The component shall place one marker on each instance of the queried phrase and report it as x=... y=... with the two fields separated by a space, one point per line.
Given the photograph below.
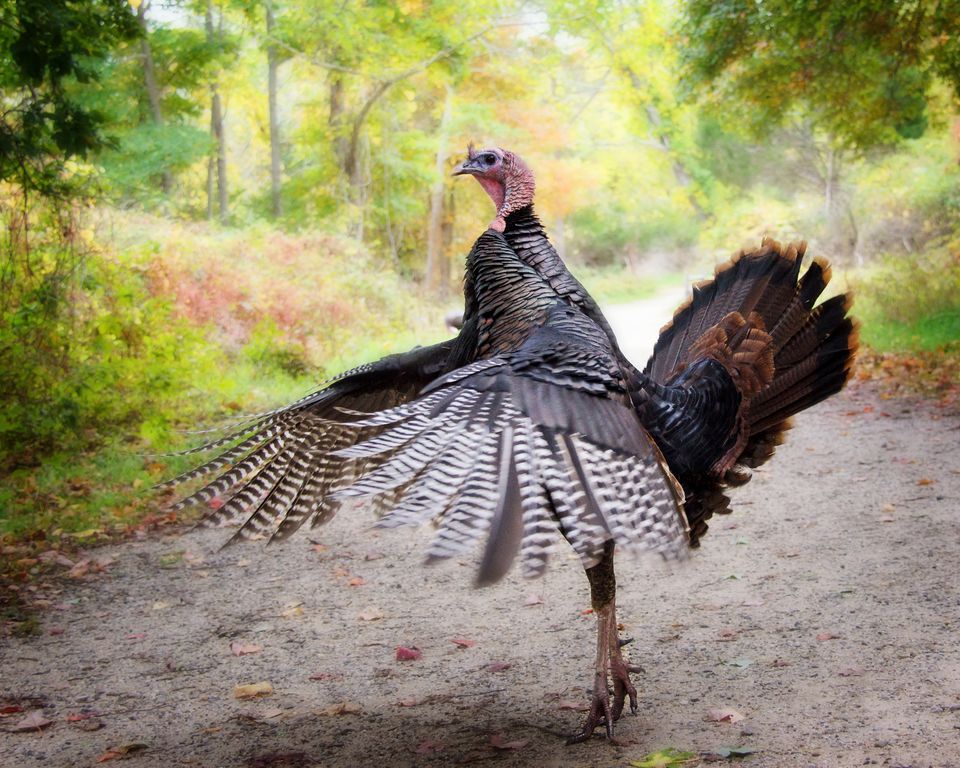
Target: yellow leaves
x=252 y=690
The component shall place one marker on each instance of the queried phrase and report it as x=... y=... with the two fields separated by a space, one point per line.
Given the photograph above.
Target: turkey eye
x=489 y=158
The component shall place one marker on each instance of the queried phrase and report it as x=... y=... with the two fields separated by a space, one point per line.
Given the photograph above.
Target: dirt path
x=825 y=611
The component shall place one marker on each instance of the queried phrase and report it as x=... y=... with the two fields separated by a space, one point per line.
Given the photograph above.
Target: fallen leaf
x=243 y=649
x=252 y=690
x=533 y=599
x=888 y=508
x=408 y=654
x=53 y=556
x=498 y=666
x=497 y=742
x=576 y=706
x=33 y=721
x=357 y=581
x=84 y=714
x=925 y=481
x=292 y=610
x=341 y=708
x=136 y=636
x=726 y=715
x=463 y=642
x=665 y=758
x=340 y=571
x=372 y=556
x=586 y=612
x=410 y=702
x=428 y=747
x=370 y=614
x=87 y=723
x=827 y=636
x=80 y=569
x=10 y=709
x=118 y=753
x=851 y=672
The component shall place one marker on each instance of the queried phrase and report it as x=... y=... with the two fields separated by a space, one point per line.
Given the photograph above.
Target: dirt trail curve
x=825 y=611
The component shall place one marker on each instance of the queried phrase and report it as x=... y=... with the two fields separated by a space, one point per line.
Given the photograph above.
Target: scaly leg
x=610 y=663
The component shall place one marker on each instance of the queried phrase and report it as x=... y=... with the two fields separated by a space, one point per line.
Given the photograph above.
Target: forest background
x=208 y=206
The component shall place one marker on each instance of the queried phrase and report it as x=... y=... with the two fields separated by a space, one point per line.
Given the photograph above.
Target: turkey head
x=503 y=176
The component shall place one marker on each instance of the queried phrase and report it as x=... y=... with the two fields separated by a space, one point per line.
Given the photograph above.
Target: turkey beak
x=466 y=167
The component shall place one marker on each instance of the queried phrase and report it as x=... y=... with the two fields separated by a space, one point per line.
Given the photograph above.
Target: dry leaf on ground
x=243 y=649
x=33 y=721
x=724 y=715
x=408 y=654
x=252 y=690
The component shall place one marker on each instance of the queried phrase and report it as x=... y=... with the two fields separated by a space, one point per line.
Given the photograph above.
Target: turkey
x=530 y=426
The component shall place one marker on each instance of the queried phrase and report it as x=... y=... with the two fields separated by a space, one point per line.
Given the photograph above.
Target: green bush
x=910 y=303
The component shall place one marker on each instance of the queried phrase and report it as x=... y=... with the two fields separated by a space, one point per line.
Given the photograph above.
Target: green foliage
x=912 y=303
x=48 y=46
x=666 y=758
x=860 y=71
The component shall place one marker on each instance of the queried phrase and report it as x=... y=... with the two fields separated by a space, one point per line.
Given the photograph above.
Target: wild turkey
x=530 y=425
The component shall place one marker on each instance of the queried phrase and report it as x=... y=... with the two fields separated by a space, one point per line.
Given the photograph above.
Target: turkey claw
x=599 y=714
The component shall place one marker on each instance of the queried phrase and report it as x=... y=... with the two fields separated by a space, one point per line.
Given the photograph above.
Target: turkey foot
x=610 y=667
x=610 y=664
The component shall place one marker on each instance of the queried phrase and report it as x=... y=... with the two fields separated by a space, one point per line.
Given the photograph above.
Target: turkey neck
x=528 y=239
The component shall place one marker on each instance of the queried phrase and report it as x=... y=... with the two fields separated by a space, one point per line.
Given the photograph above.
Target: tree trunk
x=153 y=89
x=275 y=169
x=335 y=118
x=447 y=239
x=217 y=132
x=435 y=220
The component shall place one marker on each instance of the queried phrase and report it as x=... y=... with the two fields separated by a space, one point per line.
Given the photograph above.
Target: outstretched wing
x=535 y=439
x=521 y=450
x=276 y=471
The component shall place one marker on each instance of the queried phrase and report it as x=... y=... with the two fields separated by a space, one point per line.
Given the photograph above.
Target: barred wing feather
x=482 y=468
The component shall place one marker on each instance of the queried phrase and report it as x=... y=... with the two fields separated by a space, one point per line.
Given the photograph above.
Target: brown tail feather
x=759 y=320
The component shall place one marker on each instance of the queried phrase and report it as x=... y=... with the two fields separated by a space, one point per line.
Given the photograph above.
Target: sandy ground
x=825 y=612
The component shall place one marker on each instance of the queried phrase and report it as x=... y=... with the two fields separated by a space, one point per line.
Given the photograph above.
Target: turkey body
x=531 y=427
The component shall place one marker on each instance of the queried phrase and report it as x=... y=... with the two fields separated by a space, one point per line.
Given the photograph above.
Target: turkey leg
x=610 y=663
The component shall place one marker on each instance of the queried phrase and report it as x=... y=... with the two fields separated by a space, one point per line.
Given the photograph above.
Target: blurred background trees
x=208 y=204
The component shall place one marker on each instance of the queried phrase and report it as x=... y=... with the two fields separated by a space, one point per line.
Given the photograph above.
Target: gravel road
x=824 y=613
